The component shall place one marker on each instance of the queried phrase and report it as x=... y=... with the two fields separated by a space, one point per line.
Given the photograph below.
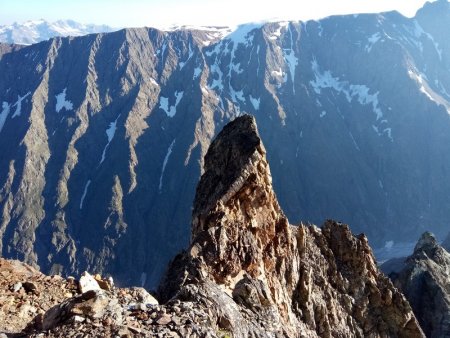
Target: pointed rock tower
x=255 y=275
x=424 y=281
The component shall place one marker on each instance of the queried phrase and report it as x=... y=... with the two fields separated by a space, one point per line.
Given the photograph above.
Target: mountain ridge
x=119 y=124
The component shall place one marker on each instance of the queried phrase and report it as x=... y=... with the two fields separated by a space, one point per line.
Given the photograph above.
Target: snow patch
x=164 y=104
x=325 y=80
x=217 y=83
x=110 y=132
x=388 y=131
x=291 y=60
x=236 y=95
x=61 y=102
x=197 y=72
x=320 y=29
x=277 y=33
x=277 y=73
x=424 y=87
x=361 y=92
x=18 y=104
x=354 y=141
x=4 y=114
x=241 y=33
x=86 y=187
x=372 y=40
x=181 y=64
x=153 y=81
x=236 y=67
x=166 y=159
x=254 y=101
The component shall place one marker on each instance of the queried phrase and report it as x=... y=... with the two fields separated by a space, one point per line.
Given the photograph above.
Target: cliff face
x=424 y=282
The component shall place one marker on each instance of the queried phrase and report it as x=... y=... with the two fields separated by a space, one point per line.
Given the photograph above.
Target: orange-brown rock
x=285 y=280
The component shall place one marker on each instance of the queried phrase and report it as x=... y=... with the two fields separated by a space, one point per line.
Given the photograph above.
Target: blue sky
x=163 y=13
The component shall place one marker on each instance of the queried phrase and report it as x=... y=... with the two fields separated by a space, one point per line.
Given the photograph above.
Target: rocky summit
x=247 y=272
x=424 y=281
x=103 y=137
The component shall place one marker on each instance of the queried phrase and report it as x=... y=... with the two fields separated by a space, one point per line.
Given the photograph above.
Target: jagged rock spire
x=282 y=279
x=235 y=202
x=424 y=281
x=235 y=159
x=427 y=244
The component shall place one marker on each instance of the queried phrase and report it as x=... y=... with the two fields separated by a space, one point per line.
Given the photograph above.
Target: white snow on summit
x=212 y=33
x=241 y=33
x=31 y=32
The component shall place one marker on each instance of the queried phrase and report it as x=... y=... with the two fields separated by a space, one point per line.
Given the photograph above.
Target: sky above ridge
x=164 y=13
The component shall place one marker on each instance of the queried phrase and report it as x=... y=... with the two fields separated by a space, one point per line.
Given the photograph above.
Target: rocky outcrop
x=260 y=276
x=424 y=282
x=247 y=272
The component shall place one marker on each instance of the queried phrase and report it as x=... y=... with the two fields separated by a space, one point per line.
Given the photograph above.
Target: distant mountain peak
x=426 y=244
x=33 y=31
x=438 y=7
